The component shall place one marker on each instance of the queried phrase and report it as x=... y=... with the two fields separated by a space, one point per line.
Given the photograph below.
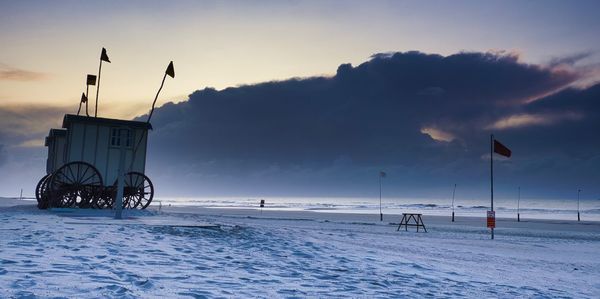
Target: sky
x=225 y=51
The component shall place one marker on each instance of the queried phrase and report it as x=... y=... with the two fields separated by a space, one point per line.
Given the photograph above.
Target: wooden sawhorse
x=418 y=221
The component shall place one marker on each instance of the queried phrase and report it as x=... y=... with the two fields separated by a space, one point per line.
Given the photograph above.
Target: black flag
x=103 y=56
x=170 y=70
x=91 y=80
x=83 y=98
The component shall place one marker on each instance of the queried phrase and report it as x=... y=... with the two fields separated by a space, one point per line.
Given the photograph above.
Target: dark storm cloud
x=576 y=134
x=22 y=125
x=424 y=118
x=2 y=154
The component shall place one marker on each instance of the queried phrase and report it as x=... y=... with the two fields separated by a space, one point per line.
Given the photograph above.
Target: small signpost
x=491 y=219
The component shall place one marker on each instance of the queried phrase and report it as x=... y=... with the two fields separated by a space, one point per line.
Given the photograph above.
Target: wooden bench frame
x=418 y=221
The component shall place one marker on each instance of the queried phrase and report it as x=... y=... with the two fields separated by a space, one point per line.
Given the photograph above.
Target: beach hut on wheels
x=84 y=161
x=92 y=160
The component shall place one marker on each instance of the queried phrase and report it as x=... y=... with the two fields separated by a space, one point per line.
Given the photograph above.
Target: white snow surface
x=153 y=254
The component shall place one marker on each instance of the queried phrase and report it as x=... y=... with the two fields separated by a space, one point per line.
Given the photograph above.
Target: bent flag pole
x=83 y=101
x=501 y=149
x=171 y=72
x=103 y=57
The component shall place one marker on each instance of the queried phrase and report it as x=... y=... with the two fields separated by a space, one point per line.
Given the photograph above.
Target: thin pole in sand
x=519 y=205
x=578 y=217
x=123 y=134
x=382 y=174
x=21 y=196
x=380 y=211
x=453 y=192
x=492 y=177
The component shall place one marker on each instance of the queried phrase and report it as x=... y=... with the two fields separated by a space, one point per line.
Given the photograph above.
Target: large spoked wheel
x=75 y=184
x=106 y=198
x=138 y=191
x=41 y=192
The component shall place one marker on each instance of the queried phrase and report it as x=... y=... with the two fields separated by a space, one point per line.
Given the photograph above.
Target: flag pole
x=87 y=89
x=98 y=88
x=578 y=218
x=79 y=110
x=453 y=192
x=171 y=72
x=380 y=211
x=519 y=205
x=492 y=177
x=149 y=117
x=155 y=98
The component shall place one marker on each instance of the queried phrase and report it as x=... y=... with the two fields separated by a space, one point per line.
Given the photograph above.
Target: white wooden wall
x=56 y=153
x=91 y=143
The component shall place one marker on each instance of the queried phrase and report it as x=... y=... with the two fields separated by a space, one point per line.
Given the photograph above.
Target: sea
x=589 y=209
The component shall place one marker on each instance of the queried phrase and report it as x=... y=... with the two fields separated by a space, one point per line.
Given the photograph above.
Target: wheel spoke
x=72 y=175
x=78 y=166
x=85 y=172
x=90 y=177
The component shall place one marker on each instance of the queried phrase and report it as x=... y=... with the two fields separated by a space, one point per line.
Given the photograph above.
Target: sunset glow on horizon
x=435 y=76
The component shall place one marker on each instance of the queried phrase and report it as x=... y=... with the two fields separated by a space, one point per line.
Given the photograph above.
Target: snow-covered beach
x=289 y=254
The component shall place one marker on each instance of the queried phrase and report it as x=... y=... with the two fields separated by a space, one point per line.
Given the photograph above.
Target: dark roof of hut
x=71 y=118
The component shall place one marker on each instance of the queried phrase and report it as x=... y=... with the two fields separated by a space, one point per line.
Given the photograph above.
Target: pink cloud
x=14 y=74
x=525 y=120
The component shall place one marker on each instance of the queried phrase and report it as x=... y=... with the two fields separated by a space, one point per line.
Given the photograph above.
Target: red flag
x=103 y=56
x=500 y=149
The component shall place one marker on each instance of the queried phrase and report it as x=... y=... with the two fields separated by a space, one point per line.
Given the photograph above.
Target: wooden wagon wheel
x=75 y=184
x=41 y=192
x=106 y=199
x=138 y=191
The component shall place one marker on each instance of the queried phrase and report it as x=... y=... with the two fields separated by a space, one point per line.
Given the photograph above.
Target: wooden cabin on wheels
x=83 y=164
x=94 y=162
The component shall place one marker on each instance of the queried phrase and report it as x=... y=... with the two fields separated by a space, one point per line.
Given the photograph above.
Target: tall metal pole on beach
x=519 y=205
x=492 y=177
x=578 y=217
x=453 y=192
x=380 y=211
